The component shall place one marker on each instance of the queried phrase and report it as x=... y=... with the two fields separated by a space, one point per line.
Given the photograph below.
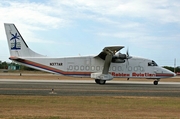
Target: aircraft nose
x=165 y=73
x=174 y=74
x=169 y=73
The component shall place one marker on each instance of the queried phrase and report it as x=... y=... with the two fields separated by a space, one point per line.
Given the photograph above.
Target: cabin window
x=120 y=68
x=93 y=68
x=129 y=68
x=152 y=63
x=82 y=67
x=70 y=67
x=76 y=67
x=87 y=67
x=98 y=68
x=135 y=68
x=114 y=68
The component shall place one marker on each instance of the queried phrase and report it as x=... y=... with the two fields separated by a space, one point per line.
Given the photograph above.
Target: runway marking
x=88 y=88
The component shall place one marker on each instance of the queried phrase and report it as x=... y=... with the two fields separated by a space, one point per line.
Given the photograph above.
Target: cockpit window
x=152 y=63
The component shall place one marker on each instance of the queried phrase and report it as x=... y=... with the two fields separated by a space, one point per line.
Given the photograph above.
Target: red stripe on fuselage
x=48 y=67
x=164 y=75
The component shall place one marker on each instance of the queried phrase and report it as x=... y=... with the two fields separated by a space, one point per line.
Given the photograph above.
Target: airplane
x=109 y=63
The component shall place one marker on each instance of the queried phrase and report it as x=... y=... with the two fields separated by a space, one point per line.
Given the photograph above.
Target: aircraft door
x=70 y=66
x=141 y=67
x=87 y=64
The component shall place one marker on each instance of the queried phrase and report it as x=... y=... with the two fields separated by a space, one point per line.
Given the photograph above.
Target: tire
x=97 y=81
x=101 y=82
x=155 y=82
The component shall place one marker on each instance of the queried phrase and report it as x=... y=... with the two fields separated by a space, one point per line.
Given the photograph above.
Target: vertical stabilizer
x=17 y=45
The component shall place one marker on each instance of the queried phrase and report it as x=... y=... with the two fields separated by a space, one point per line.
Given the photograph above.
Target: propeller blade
x=127 y=52
x=127 y=57
x=127 y=64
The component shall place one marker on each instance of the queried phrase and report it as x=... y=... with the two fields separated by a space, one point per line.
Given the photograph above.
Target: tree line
x=6 y=65
x=176 y=69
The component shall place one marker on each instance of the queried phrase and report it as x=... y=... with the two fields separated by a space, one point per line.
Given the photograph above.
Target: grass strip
x=67 y=107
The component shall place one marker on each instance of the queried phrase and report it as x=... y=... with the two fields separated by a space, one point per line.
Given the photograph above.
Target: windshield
x=152 y=63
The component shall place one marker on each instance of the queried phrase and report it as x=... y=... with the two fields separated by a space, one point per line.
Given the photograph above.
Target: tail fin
x=17 y=45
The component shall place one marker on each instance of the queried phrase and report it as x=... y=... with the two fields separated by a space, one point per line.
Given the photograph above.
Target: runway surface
x=88 y=88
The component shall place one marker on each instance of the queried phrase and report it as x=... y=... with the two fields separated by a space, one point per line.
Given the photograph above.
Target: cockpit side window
x=152 y=63
x=155 y=64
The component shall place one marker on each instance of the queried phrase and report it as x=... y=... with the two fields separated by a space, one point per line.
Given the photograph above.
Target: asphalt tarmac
x=88 y=88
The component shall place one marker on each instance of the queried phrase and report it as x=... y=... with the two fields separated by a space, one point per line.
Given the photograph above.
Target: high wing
x=109 y=50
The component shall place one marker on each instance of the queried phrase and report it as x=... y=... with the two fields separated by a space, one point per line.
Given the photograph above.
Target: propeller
x=119 y=57
x=127 y=57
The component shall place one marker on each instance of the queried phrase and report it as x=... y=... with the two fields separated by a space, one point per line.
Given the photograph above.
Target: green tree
x=3 y=65
x=22 y=67
x=177 y=69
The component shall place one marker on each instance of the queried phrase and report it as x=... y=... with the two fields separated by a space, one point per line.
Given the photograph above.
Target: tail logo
x=15 y=45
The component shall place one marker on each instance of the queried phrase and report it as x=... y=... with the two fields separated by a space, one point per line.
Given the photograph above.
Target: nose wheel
x=156 y=82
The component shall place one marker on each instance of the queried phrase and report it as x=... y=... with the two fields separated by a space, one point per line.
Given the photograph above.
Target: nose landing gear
x=156 y=81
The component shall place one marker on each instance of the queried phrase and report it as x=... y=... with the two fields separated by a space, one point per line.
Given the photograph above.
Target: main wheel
x=98 y=81
x=102 y=82
x=155 y=82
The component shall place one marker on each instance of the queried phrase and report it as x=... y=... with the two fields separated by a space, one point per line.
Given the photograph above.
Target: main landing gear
x=101 y=82
x=156 y=82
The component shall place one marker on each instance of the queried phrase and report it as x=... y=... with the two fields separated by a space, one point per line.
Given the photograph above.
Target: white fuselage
x=84 y=66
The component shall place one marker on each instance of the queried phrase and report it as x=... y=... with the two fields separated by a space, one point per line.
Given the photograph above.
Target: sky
x=64 y=28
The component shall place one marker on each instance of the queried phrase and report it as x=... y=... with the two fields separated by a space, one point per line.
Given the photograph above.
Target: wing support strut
x=107 y=55
x=107 y=62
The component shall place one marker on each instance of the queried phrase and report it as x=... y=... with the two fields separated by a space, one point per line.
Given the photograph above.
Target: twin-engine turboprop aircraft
x=104 y=67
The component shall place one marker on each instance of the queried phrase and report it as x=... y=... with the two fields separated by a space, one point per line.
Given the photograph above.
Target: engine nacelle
x=101 y=76
x=120 y=56
x=118 y=60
